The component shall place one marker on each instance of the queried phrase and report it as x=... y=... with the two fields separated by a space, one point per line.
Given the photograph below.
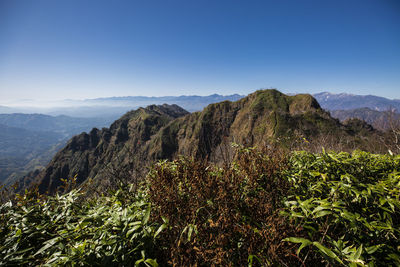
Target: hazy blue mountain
x=117 y=106
x=114 y=107
x=29 y=141
x=109 y=112
x=20 y=142
x=64 y=125
x=190 y=103
x=4 y=109
x=23 y=150
x=331 y=101
x=378 y=119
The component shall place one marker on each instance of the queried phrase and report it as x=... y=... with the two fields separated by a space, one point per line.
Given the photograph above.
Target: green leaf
x=191 y=227
x=251 y=258
x=18 y=233
x=152 y=262
x=357 y=255
x=322 y=213
x=138 y=262
x=132 y=230
x=327 y=251
x=304 y=242
x=159 y=230
x=372 y=249
x=49 y=244
x=147 y=214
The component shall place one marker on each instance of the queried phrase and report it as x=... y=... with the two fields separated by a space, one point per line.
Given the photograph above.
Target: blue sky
x=90 y=48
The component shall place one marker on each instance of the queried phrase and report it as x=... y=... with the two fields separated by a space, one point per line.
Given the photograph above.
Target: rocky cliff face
x=162 y=132
x=254 y=120
x=97 y=154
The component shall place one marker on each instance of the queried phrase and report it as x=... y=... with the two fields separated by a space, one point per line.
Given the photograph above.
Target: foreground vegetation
x=264 y=208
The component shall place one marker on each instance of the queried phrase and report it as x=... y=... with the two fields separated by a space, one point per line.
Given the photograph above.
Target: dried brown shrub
x=223 y=216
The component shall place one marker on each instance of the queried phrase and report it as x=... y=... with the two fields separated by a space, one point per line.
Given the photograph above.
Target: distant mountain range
x=4 y=109
x=23 y=150
x=114 y=107
x=378 y=119
x=376 y=111
x=63 y=125
x=145 y=135
x=20 y=153
x=331 y=101
x=21 y=142
x=190 y=103
x=28 y=141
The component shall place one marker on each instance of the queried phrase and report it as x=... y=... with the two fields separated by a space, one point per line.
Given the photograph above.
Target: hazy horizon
x=85 y=102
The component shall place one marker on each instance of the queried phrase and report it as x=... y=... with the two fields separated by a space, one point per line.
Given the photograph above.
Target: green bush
x=265 y=208
x=348 y=206
x=70 y=230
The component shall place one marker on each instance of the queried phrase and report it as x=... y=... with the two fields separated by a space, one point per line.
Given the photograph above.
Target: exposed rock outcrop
x=162 y=132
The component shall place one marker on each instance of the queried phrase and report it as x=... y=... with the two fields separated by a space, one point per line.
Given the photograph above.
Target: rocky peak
x=88 y=154
x=144 y=135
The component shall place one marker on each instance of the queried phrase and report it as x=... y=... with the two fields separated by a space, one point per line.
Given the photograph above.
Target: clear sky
x=56 y=49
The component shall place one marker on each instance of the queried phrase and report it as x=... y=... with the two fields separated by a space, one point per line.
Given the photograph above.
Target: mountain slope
x=253 y=120
x=21 y=142
x=158 y=132
x=63 y=125
x=378 y=119
x=22 y=150
x=29 y=141
x=97 y=154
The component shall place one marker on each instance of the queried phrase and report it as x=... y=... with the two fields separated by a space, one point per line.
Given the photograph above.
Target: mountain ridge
x=345 y=101
x=145 y=135
x=378 y=119
x=117 y=106
x=61 y=124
